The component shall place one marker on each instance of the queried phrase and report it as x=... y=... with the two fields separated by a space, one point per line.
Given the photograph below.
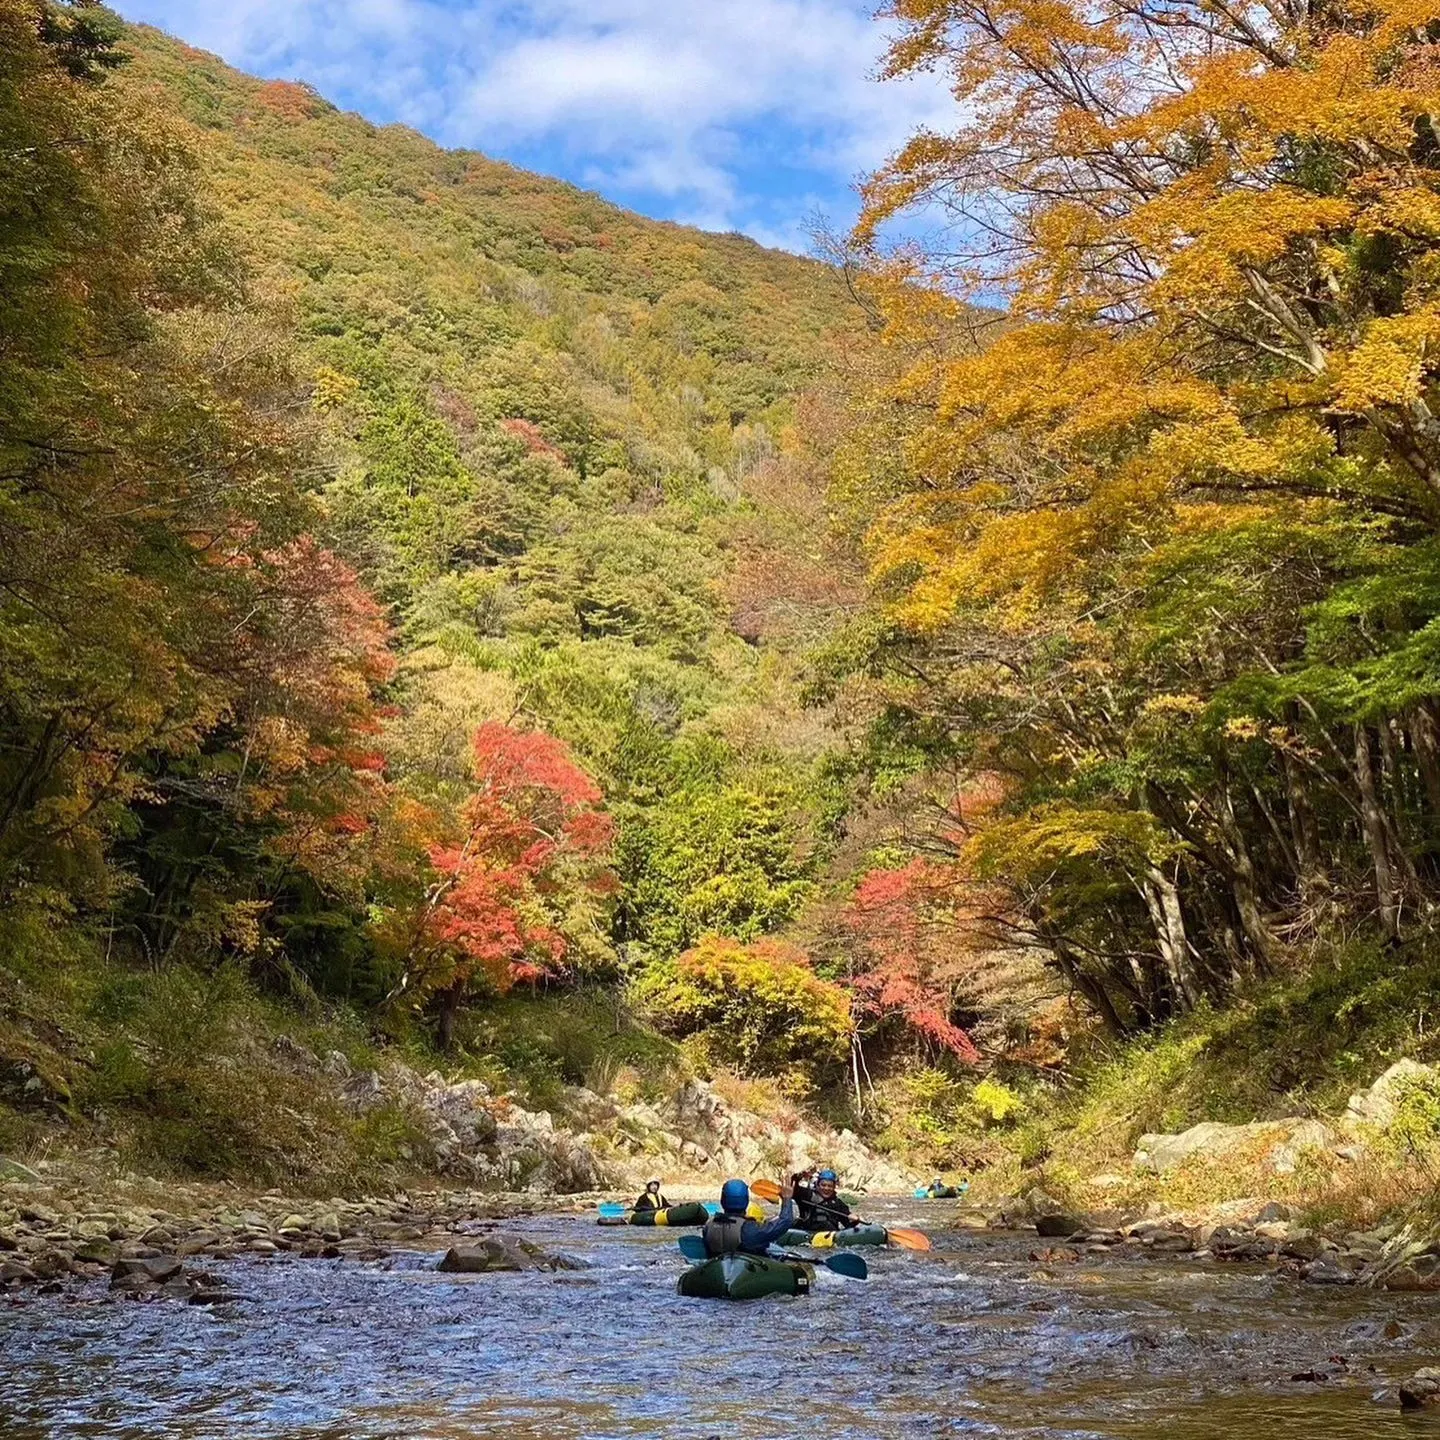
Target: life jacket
x=722 y=1234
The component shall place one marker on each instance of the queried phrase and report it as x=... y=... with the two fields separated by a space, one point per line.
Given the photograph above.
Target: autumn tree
x=519 y=892
x=760 y=1006
x=187 y=708
x=1160 y=541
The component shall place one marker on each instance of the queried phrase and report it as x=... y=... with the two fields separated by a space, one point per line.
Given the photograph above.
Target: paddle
x=852 y=1267
x=904 y=1238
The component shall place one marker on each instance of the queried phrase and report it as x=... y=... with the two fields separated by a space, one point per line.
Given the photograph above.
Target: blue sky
x=745 y=115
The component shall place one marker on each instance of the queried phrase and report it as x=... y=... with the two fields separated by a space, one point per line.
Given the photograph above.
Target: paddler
x=733 y=1231
x=821 y=1207
x=651 y=1198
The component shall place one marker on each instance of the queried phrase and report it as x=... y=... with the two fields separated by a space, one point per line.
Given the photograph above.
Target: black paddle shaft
x=851 y=1222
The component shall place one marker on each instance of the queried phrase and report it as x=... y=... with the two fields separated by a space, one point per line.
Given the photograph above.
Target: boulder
x=1329 y=1269
x=1302 y=1245
x=1421 y=1391
x=12 y=1272
x=1059 y=1226
x=1162 y=1153
x=1377 y=1105
x=503 y=1253
x=1421 y=1273
x=1304 y=1135
x=147 y=1271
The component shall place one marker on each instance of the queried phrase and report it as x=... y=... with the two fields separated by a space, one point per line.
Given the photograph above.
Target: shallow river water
x=973 y=1339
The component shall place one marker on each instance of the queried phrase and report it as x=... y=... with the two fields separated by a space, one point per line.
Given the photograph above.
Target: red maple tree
x=532 y=831
x=901 y=924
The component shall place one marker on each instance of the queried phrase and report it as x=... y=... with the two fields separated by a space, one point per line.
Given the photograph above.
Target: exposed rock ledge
x=1283 y=1143
x=593 y=1142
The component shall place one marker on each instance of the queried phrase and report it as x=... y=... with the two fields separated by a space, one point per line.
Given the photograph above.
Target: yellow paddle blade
x=765 y=1189
x=909 y=1239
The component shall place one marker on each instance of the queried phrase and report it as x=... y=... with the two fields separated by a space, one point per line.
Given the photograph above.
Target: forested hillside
x=411 y=565
x=985 y=694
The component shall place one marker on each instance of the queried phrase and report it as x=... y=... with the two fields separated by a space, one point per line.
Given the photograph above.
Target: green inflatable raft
x=693 y=1213
x=745 y=1277
x=838 y=1239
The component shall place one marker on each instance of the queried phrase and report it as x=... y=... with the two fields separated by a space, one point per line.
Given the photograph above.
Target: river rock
x=13 y=1274
x=504 y=1253
x=149 y=1271
x=1421 y=1273
x=1421 y=1391
x=1329 y=1269
x=1302 y=1245
x=1059 y=1226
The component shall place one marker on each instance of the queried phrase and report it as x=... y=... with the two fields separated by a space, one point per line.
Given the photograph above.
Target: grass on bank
x=185 y=1073
x=1299 y=1045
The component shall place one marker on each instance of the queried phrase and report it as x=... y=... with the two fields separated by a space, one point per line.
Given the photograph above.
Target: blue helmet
x=734 y=1197
x=828 y=1175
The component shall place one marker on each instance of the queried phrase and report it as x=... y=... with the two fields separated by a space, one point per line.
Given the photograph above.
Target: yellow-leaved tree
x=1161 y=546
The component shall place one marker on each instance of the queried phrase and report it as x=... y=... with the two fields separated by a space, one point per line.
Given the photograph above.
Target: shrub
x=764 y=1007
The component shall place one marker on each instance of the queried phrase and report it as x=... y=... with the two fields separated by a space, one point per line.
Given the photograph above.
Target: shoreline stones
x=1264 y=1235
x=59 y=1233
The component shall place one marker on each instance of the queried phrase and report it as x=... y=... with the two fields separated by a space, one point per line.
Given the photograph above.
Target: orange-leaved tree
x=1213 y=229
x=905 y=935
x=520 y=888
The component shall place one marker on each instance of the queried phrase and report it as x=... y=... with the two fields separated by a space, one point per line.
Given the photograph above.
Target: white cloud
x=689 y=100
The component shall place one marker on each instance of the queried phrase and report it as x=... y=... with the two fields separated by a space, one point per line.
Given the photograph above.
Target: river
x=973 y=1339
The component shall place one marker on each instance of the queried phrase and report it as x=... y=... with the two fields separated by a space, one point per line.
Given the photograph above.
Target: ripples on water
x=971 y=1340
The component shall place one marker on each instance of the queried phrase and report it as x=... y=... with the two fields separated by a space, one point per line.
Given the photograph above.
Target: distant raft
x=693 y=1212
x=941 y=1192
x=838 y=1239
x=746 y=1277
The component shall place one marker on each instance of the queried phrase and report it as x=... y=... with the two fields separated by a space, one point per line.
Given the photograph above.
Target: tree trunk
x=1425 y=737
x=1376 y=840
x=1392 y=782
x=1163 y=899
x=1092 y=989
x=1243 y=882
x=450 y=999
x=1309 y=871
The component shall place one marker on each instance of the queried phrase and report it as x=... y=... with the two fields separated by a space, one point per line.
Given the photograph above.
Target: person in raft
x=651 y=1199
x=732 y=1231
x=821 y=1207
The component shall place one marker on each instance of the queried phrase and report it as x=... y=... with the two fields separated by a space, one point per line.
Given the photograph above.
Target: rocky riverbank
x=1332 y=1199
x=1395 y=1256
x=69 y=1217
x=489 y=1141
x=154 y=1240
